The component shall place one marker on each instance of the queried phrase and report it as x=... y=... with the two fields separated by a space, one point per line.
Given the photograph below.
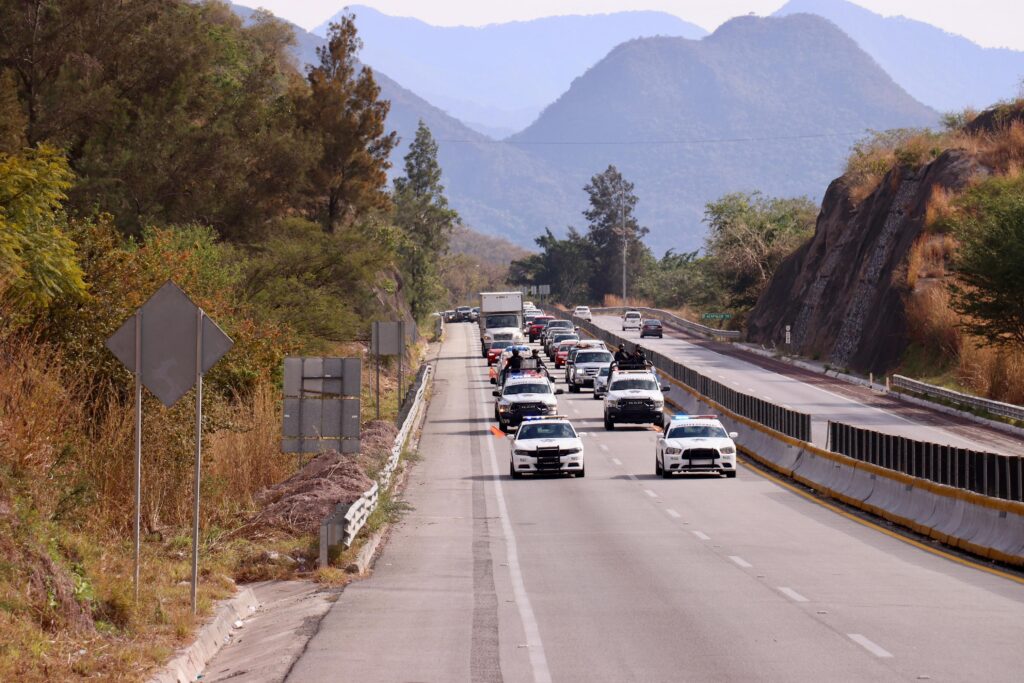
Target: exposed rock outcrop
x=843 y=292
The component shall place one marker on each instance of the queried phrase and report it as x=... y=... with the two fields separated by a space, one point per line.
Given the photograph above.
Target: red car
x=494 y=350
x=537 y=325
x=652 y=328
x=562 y=352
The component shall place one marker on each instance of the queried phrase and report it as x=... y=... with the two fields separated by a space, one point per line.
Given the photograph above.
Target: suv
x=584 y=366
x=522 y=395
x=552 y=326
x=546 y=444
x=631 y=320
x=463 y=314
x=695 y=443
x=652 y=328
x=583 y=312
x=634 y=397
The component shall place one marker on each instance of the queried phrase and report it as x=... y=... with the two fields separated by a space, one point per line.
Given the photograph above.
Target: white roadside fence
x=345 y=523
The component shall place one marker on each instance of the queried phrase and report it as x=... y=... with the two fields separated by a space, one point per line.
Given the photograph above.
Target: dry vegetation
x=941 y=351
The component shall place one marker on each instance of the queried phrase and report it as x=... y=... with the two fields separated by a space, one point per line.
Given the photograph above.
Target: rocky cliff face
x=843 y=292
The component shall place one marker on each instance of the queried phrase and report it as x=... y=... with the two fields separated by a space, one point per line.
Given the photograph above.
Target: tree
x=422 y=212
x=37 y=258
x=343 y=109
x=612 y=223
x=989 y=291
x=566 y=265
x=749 y=235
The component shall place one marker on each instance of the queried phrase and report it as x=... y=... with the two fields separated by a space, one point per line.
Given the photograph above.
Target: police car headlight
x=673 y=451
x=503 y=407
x=571 y=451
x=727 y=450
x=613 y=402
x=659 y=404
x=519 y=451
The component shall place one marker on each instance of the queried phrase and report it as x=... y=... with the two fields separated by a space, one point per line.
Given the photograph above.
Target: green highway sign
x=716 y=316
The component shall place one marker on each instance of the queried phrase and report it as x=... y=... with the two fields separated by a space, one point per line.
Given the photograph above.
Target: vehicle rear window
x=594 y=357
x=652 y=322
x=697 y=432
x=644 y=384
x=538 y=388
x=500 y=344
x=558 y=430
x=502 y=321
x=632 y=315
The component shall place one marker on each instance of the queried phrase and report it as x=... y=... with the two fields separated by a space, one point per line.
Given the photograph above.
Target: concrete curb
x=189 y=663
x=361 y=565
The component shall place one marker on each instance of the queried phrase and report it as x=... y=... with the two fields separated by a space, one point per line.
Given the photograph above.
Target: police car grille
x=548 y=459
x=701 y=453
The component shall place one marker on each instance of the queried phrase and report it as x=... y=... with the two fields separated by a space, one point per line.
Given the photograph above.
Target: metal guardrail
x=345 y=523
x=675 y=320
x=789 y=422
x=990 y=474
x=906 y=384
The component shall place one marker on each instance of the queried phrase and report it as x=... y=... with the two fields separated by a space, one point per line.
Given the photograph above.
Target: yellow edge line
x=871 y=525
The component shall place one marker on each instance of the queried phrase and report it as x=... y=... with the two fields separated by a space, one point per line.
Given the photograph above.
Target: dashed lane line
x=650 y=493
x=672 y=513
x=740 y=561
x=604 y=447
x=701 y=535
x=538 y=660
x=874 y=648
x=617 y=461
x=792 y=594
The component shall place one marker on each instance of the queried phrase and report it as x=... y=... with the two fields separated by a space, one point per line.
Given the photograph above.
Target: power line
x=692 y=141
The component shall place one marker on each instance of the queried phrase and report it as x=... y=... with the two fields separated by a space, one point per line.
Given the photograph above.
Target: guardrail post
x=324 y=545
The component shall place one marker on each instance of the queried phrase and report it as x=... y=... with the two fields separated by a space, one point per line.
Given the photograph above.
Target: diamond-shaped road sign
x=169 y=326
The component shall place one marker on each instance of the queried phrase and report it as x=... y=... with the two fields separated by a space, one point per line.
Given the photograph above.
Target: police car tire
x=608 y=424
x=666 y=473
x=582 y=473
x=512 y=471
x=657 y=466
x=573 y=389
x=731 y=475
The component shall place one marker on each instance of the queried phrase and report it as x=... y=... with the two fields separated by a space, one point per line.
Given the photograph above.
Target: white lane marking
x=632 y=476
x=792 y=594
x=650 y=493
x=874 y=648
x=617 y=461
x=538 y=661
x=673 y=513
x=701 y=535
x=604 y=447
x=740 y=561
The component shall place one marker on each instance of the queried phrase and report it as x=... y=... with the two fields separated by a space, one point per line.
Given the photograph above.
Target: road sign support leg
x=198 y=458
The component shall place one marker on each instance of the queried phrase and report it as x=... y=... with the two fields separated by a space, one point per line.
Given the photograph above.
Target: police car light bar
x=697 y=417
x=534 y=418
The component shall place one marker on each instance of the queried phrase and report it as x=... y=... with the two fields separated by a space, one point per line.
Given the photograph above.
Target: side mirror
x=665 y=388
x=733 y=435
x=495 y=393
x=510 y=436
x=559 y=391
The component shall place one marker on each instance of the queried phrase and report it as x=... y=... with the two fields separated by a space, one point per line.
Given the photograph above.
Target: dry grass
x=930 y=257
x=931 y=321
x=995 y=373
x=615 y=301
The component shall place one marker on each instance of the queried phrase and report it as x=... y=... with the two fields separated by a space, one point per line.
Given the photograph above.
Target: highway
x=823 y=400
x=623 y=576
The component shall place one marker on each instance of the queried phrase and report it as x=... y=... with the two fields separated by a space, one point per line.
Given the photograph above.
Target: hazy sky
x=992 y=23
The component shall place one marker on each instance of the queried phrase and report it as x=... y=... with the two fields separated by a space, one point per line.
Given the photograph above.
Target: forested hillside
x=159 y=139
x=767 y=104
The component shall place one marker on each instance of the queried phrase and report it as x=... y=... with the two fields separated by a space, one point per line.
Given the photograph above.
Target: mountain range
x=498 y=78
x=945 y=71
x=770 y=104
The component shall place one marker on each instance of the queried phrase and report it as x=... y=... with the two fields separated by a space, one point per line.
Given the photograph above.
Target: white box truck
x=501 y=317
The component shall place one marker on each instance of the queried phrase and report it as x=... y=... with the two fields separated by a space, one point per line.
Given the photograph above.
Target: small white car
x=634 y=397
x=631 y=320
x=601 y=382
x=583 y=312
x=523 y=395
x=546 y=444
x=695 y=443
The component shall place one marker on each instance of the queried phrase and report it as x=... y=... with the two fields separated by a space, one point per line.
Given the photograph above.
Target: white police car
x=522 y=395
x=695 y=443
x=633 y=397
x=546 y=444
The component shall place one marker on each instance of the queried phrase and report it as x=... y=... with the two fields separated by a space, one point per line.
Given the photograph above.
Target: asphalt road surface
x=823 y=402
x=622 y=576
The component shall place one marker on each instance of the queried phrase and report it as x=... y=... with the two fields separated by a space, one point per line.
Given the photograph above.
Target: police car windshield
x=644 y=384
x=532 y=388
x=501 y=344
x=697 y=432
x=594 y=357
x=558 y=430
